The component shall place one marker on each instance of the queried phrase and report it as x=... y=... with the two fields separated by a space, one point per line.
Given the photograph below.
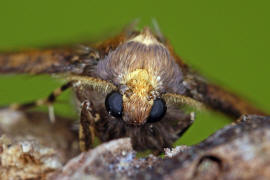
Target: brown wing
x=37 y=61
x=212 y=95
x=58 y=60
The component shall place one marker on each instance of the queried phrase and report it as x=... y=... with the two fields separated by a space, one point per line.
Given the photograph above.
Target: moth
x=131 y=85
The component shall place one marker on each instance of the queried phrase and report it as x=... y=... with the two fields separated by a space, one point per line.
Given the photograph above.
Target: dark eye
x=158 y=110
x=114 y=104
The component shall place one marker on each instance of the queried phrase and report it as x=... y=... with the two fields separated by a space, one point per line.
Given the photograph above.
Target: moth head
x=135 y=111
x=136 y=102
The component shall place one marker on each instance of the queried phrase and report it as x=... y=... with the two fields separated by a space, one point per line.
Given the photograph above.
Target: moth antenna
x=94 y=83
x=129 y=29
x=183 y=100
x=157 y=30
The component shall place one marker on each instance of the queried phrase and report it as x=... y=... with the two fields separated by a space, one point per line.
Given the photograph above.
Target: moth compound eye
x=158 y=110
x=114 y=104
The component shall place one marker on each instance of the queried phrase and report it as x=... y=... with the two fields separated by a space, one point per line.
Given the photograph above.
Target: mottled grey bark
x=31 y=147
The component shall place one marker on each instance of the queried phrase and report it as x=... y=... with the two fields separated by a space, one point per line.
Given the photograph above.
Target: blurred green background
x=227 y=41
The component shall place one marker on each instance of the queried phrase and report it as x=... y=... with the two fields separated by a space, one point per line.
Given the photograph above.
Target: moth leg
x=186 y=124
x=47 y=101
x=87 y=126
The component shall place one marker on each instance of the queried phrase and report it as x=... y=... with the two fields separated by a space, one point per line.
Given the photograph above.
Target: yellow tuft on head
x=137 y=105
x=140 y=82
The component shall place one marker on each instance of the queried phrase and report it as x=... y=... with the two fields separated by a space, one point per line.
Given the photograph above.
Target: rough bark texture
x=238 y=151
x=31 y=146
